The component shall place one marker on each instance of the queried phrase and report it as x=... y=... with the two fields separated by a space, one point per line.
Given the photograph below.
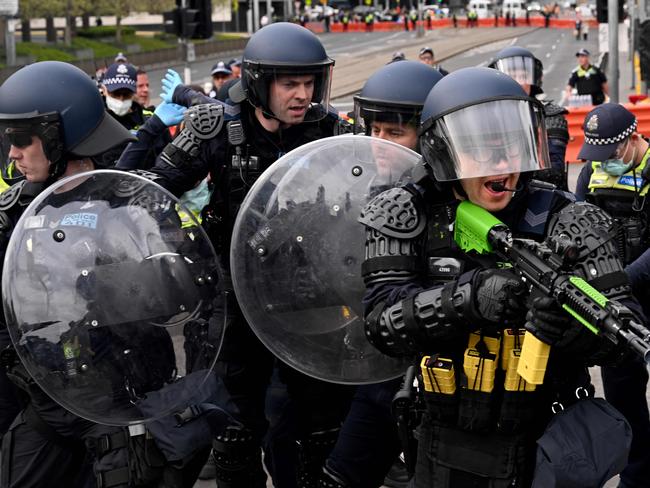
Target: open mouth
x=297 y=110
x=496 y=186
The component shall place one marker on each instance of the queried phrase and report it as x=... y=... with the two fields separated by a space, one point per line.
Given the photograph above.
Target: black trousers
x=625 y=388
x=246 y=367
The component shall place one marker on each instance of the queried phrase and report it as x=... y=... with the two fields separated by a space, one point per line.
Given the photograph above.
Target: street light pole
x=612 y=20
x=420 y=27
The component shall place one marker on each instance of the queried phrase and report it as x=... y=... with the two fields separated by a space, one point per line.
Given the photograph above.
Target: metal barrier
x=536 y=21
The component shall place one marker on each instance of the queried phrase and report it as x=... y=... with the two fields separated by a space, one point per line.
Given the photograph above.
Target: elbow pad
x=431 y=316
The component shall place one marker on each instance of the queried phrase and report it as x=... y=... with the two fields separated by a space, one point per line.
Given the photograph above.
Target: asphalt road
x=556 y=49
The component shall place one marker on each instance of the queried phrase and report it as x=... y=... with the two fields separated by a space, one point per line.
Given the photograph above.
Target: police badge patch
x=592 y=123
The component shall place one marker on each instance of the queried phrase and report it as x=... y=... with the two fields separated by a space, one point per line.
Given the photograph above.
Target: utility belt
x=480 y=392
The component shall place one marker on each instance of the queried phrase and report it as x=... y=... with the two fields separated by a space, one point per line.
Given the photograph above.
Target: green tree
x=118 y=8
x=153 y=6
x=35 y=9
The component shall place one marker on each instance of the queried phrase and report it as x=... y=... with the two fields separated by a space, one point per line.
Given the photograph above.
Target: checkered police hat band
x=122 y=80
x=611 y=140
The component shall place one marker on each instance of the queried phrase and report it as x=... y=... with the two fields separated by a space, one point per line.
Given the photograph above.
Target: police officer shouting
x=481 y=138
x=616 y=177
x=280 y=103
x=587 y=79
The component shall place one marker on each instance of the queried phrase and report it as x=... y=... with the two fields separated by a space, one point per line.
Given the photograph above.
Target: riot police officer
x=368 y=443
x=53 y=121
x=481 y=139
x=521 y=65
x=615 y=177
x=280 y=104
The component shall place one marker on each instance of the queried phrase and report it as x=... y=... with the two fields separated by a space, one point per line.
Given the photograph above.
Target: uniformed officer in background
x=587 y=79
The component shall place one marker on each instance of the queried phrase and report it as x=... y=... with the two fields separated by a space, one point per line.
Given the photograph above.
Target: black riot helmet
x=60 y=104
x=521 y=65
x=279 y=50
x=479 y=122
x=394 y=93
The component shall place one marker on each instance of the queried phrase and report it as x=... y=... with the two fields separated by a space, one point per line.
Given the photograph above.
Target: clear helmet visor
x=519 y=68
x=294 y=95
x=489 y=139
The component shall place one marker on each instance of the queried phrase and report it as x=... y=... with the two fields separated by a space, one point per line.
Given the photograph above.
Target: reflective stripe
x=600 y=180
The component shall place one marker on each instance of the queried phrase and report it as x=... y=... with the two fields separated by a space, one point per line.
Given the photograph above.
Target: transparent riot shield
x=297 y=251
x=101 y=281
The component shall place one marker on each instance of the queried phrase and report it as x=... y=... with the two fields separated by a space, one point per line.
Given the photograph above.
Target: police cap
x=605 y=127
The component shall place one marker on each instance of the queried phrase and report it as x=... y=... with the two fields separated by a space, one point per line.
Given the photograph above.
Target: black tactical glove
x=552 y=325
x=499 y=296
x=548 y=322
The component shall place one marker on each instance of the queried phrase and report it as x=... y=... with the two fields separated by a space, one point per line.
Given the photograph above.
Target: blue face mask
x=197 y=197
x=616 y=167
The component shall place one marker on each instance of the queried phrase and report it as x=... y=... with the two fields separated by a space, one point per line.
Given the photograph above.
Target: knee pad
x=237 y=458
x=313 y=450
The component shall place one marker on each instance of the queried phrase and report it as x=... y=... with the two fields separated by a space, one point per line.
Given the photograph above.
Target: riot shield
x=297 y=251
x=101 y=280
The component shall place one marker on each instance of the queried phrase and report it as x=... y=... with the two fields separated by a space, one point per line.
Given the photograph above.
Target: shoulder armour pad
x=593 y=231
x=396 y=213
x=11 y=195
x=204 y=121
x=551 y=109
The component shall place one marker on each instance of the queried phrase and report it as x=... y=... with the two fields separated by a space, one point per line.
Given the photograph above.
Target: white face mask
x=118 y=107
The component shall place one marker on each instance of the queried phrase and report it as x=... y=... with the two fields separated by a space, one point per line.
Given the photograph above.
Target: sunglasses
x=19 y=138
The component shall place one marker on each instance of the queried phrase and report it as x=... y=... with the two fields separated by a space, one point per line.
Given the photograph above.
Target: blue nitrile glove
x=169 y=83
x=170 y=113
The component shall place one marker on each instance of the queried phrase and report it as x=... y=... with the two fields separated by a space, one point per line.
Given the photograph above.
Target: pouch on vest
x=477 y=407
x=491 y=456
x=180 y=435
x=584 y=445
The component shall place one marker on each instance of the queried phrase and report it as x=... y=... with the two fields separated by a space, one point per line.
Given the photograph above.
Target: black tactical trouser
x=46 y=446
x=449 y=457
x=30 y=459
x=625 y=388
x=9 y=395
x=246 y=367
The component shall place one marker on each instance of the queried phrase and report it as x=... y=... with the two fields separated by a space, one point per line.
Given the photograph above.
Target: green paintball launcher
x=546 y=268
